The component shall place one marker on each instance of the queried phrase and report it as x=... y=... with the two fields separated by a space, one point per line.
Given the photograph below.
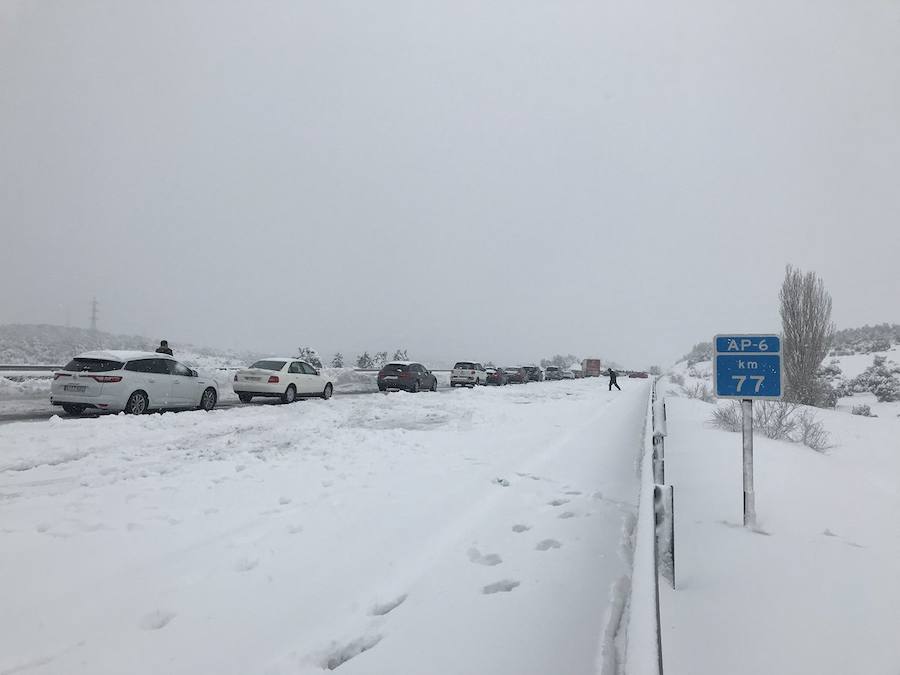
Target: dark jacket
x=612 y=374
x=164 y=350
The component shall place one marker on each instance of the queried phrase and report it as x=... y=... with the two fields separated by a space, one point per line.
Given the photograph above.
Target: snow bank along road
x=480 y=531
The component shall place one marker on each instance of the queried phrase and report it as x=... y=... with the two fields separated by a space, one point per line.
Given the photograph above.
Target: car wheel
x=415 y=387
x=329 y=390
x=208 y=400
x=289 y=395
x=380 y=388
x=137 y=404
x=434 y=384
x=245 y=398
x=73 y=410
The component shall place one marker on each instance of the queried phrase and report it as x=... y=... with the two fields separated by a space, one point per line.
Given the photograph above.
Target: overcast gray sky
x=493 y=180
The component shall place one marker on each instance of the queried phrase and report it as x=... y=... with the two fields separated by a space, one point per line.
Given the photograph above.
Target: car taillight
x=273 y=379
x=56 y=376
x=107 y=378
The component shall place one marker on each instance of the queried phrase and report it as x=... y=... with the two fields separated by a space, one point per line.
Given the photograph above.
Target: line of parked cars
x=473 y=374
x=138 y=382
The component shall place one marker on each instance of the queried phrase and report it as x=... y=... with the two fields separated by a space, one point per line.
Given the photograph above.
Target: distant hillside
x=48 y=344
x=865 y=340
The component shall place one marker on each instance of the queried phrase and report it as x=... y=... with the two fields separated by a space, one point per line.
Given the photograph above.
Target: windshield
x=464 y=365
x=269 y=365
x=92 y=365
x=396 y=367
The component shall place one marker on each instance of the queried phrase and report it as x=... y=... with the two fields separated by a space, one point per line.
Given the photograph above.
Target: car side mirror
x=194 y=373
x=318 y=372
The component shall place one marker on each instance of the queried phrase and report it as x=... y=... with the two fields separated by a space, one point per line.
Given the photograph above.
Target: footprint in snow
x=566 y=514
x=504 y=586
x=387 y=607
x=558 y=502
x=520 y=528
x=490 y=559
x=245 y=564
x=284 y=501
x=294 y=529
x=547 y=544
x=157 y=619
x=829 y=533
x=573 y=492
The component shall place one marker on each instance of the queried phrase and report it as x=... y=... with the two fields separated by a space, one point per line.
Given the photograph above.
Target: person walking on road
x=164 y=348
x=612 y=380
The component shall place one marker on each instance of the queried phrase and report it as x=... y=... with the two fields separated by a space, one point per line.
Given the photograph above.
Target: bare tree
x=807 y=333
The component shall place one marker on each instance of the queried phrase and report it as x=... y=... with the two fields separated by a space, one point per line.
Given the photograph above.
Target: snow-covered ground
x=815 y=589
x=472 y=531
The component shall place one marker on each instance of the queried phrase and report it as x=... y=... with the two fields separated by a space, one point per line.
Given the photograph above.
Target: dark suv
x=553 y=373
x=408 y=376
x=535 y=374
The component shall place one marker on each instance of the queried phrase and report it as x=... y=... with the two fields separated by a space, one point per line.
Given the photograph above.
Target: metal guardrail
x=654 y=548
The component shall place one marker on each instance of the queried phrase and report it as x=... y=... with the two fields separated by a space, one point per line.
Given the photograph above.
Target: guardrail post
x=659 y=459
x=664 y=512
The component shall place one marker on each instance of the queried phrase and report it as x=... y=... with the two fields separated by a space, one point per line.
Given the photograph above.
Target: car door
x=183 y=393
x=313 y=382
x=297 y=378
x=159 y=382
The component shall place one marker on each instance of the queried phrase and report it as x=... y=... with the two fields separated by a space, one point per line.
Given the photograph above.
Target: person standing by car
x=164 y=348
x=612 y=380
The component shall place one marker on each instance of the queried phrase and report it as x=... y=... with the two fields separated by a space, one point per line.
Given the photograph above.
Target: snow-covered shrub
x=677 y=379
x=775 y=419
x=699 y=390
x=778 y=420
x=810 y=431
x=825 y=395
x=881 y=379
x=863 y=410
x=728 y=418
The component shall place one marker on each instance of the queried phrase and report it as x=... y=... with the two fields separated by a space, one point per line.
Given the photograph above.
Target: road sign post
x=748 y=367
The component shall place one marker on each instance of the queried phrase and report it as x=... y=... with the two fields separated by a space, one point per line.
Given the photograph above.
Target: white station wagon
x=133 y=382
x=281 y=377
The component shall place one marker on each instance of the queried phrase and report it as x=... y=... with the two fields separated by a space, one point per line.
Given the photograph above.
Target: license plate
x=252 y=379
x=75 y=387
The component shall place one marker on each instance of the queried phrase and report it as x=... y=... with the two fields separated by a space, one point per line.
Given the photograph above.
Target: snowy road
x=473 y=531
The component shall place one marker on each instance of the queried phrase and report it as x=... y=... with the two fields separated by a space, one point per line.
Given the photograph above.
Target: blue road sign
x=748 y=366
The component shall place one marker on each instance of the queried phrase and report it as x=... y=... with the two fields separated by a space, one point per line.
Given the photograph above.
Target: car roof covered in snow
x=280 y=358
x=120 y=355
x=400 y=363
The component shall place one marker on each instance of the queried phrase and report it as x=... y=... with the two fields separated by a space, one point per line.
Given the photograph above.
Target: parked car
x=468 y=374
x=497 y=376
x=553 y=373
x=639 y=374
x=516 y=375
x=406 y=375
x=535 y=374
x=286 y=378
x=131 y=382
x=568 y=375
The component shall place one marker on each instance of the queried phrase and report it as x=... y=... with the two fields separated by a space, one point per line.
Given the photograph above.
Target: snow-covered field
x=815 y=589
x=472 y=531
